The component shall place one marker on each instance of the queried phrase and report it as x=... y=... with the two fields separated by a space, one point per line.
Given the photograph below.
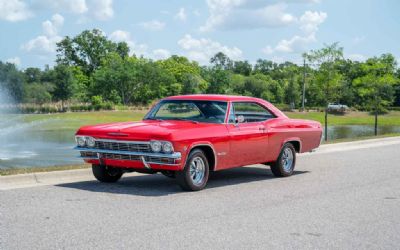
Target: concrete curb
x=71 y=176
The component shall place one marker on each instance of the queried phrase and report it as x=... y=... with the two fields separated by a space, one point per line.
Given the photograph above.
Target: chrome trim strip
x=208 y=145
x=118 y=141
x=148 y=162
x=175 y=155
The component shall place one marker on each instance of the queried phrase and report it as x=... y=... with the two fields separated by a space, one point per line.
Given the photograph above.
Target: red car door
x=248 y=135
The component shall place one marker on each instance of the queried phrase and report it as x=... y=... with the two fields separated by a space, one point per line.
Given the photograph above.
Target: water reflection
x=354 y=131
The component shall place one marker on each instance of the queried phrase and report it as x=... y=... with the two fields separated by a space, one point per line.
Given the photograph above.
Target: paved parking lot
x=346 y=196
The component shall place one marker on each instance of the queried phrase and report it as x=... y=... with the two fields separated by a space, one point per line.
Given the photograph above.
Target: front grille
x=151 y=159
x=88 y=154
x=123 y=146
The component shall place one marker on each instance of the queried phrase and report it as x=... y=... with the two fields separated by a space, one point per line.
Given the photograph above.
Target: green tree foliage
x=242 y=67
x=87 y=49
x=33 y=75
x=38 y=93
x=327 y=75
x=179 y=66
x=221 y=61
x=193 y=84
x=63 y=84
x=136 y=80
x=12 y=80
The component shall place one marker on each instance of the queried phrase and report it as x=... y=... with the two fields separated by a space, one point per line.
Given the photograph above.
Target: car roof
x=225 y=98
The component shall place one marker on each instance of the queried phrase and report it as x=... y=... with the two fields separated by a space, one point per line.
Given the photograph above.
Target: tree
x=221 y=61
x=38 y=93
x=242 y=67
x=136 y=80
x=179 y=66
x=63 y=84
x=33 y=75
x=219 y=81
x=376 y=88
x=264 y=66
x=11 y=81
x=87 y=49
x=193 y=84
x=326 y=58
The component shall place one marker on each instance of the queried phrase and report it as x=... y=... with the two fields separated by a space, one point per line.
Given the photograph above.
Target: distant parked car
x=187 y=137
x=337 y=107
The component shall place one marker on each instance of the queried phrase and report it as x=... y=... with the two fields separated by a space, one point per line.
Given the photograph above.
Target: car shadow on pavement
x=159 y=185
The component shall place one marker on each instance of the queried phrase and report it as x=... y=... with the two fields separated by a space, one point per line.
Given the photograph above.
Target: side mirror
x=239 y=119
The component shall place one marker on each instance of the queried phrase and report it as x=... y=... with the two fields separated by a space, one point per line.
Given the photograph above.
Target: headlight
x=80 y=140
x=167 y=147
x=90 y=141
x=155 y=146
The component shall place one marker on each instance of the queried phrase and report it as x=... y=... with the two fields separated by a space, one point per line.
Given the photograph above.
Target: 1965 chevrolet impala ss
x=187 y=137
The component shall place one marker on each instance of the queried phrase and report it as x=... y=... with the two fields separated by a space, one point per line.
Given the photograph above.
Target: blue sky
x=242 y=29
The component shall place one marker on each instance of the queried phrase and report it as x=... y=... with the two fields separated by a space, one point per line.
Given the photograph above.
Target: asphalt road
x=343 y=197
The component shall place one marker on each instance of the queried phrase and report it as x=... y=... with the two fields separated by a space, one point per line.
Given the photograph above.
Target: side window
x=251 y=112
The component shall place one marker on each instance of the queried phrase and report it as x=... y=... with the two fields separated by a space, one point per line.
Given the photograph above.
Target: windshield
x=192 y=110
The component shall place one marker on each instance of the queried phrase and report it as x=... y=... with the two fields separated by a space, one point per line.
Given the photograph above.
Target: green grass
x=74 y=120
x=351 y=118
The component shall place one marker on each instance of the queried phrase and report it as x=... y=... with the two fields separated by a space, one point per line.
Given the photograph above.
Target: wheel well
x=209 y=152
x=296 y=145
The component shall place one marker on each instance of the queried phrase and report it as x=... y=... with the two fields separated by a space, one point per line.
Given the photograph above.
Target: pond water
x=25 y=145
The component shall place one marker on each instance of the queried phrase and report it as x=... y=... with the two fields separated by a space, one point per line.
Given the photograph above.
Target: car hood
x=143 y=130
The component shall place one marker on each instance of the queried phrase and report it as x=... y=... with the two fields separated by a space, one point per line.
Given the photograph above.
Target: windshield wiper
x=183 y=119
x=154 y=119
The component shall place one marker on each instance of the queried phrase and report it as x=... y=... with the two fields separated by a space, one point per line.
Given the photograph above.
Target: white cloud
x=101 y=9
x=203 y=49
x=46 y=43
x=181 y=15
x=15 y=60
x=125 y=36
x=246 y=14
x=309 y=23
x=88 y=9
x=356 y=57
x=311 y=20
x=50 y=28
x=295 y=44
x=159 y=54
x=153 y=25
x=74 y=6
x=14 y=10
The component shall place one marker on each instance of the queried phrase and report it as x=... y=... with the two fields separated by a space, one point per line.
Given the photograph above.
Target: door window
x=251 y=112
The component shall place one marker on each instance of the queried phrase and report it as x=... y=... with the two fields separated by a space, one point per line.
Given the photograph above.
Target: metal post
x=304 y=84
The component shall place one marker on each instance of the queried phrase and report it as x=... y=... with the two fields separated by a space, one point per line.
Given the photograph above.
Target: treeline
x=90 y=68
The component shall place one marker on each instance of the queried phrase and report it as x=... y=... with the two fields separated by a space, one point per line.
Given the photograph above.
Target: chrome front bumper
x=145 y=157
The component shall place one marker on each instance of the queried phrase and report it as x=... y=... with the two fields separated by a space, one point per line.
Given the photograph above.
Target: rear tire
x=284 y=165
x=106 y=174
x=194 y=176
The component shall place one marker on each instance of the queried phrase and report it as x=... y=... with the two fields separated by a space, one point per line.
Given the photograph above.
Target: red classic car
x=187 y=137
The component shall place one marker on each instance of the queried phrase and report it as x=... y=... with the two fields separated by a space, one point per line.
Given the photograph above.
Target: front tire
x=106 y=174
x=284 y=165
x=194 y=176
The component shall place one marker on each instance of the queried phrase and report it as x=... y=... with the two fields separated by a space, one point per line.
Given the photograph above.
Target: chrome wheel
x=197 y=170
x=287 y=160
